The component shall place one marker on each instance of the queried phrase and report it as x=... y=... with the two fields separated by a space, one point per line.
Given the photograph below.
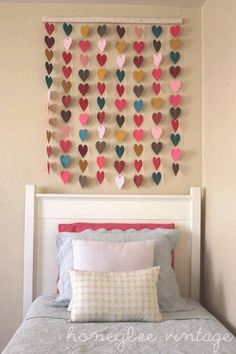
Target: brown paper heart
x=83 y=164
x=102 y=30
x=85 y=30
x=120 y=135
x=66 y=115
x=66 y=85
x=83 y=74
x=100 y=146
x=156 y=147
x=49 y=54
x=49 y=67
x=156 y=45
x=175 y=43
x=49 y=135
x=120 y=120
x=121 y=46
x=157 y=102
x=138 y=149
x=138 y=75
x=175 y=112
x=175 y=168
x=138 y=90
x=101 y=73
x=83 y=181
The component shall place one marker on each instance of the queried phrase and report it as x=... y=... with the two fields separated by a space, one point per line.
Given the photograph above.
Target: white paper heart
x=120 y=60
x=67 y=43
x=102 y=44
x=157 y=58
x=120 y=180
x=101 y=131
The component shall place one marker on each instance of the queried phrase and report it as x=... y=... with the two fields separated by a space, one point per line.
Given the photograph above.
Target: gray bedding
x=46 y=330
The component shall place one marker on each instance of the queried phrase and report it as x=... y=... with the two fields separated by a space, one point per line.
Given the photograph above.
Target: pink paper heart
x=101 y=131
x=120 y=60
x=84 y=45
x=84 y=59
x=120 y=180
x=120 y=104
x=157 y=58
x=83 y=117
x=156 y=88
x=49 y=151
x=175 y=154
x=175 y=100
x=102 y=44
x=138 y=133
x=138 y=31
x=67 y=43
x=65 y=176
x=174 y=30
x=175 y=85
x=65 y=129
x=156 y=132
x=157 y=73
x=100 y=161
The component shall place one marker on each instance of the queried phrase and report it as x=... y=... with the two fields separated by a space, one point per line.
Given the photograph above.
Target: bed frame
x=43 y=212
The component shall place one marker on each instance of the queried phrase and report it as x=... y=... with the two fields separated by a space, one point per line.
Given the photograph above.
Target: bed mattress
x=47 y=330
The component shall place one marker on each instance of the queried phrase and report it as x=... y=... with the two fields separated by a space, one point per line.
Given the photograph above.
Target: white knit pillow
x=115 y=296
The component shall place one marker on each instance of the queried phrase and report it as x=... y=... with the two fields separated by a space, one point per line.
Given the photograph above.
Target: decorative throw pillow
x=115 y=296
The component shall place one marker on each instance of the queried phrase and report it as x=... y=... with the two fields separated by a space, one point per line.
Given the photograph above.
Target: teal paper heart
x=175 y=138
x=156 y=30
x=83 y=134
x=156 y=176
x=120 y=150
x=65 y=160
x=120 y=74
x=138 y=105
x=67 y=28
x=48 y=80
x=101 y=102
x=175 y=56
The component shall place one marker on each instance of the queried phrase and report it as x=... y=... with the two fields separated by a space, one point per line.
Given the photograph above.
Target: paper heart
x=101 y=117
x=120 y=150
x=67 y=43
x=49 y=151
x=83 y=117
x=156 y=30
x=101 y=73
x=66 y=71
x=100 y=146
x=84 y=30
x=101 y=102
x=83 y=74
x=101 y=131
x=157 y=58
x=120 y=120
x=175 y=43
x=120 y=60
x=138 y=105
x=67 y=28
x=156 y=88
x=157 y=102
x=157 y=147
x=138 y=180
x=102 y=30
x=100 y=161
x=175 y=71
x=120 y=74
x=49 y=81
x=65 y=160
x=119 y=166
x=49 y=41
x=138 y=119
x=174 y=30
x=156 y=132
x=84 y=45
x=49 y=135
x=66 y=85
x=138 y=61
x=175 y=100
x=83 y=102
x=120 y=135
x=83 y=89
x=175 y=154
x=138 y=164
x=101 y=87
x=49 y=54
x=121 y=46
x=66 y=115
x=175 y=112
x=138 y=46
x=120 y=104
x=49 y=27
x=83 y=149
x=175 y=124
x=138 y=90
x=157 y=74
x=120 y=30
x=84 y=59
x=156 y=162
x=65 y=176
x=101 y=59
x=138 y=31
x=138 y=149
x=156 y=117
x=66 y=100
x=175 y=85
x=156 y=45
x=67 y=57
x=65 y=130
x=65 y=145
x=175 y=168
x=120 y=180
x=120 y=89
x=102 y=44
x=83 y=164
x=83 y=134
x=100 y=176
x=49 y=67
x=138 y=75
x=83 y=180
x=175 y=138
x=174 y=56
x=138 y=134
x=156 y=176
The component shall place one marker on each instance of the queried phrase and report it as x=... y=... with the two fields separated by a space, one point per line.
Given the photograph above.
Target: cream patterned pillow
x=115 y=296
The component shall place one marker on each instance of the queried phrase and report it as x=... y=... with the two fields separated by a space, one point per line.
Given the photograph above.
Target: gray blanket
x=47 y=330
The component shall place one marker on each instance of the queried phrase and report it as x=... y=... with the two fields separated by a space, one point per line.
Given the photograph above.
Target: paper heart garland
x=138 y=134
x=67 y=28
x=84 y=30
x=100 y=146
x=65 y=176
x=156 y=176
x=100 y=162
x=100 y=176
x=138 y=180
x=67 y=43
x=101 y=132
x=83 y=149
x=65 y=160
x=175 y=154
x=138 y=164
x=138 y=149
x=120 y=60
x=83 y=164
x=84 y=45
x=174 y=30
x=65 y=145
x=120 y=180
x=49 y=27
x=156 y=162
x=83 y=117
x=119 y=166
x=84 y=59
x=83 y=180
x=102 y=44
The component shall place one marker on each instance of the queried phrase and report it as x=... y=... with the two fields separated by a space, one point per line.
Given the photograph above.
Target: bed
x=46 y=328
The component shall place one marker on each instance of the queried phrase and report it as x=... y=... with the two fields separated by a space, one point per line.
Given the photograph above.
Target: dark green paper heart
x=120 y=150
x=156 y=176
x=48 y=80
x=67 y=28
x=120 y=75
x=174 y=56
x=156 y=30
x=175 y=138
x=101 y=102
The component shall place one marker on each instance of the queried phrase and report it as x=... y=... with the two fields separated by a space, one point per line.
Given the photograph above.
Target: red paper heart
x=138 y=61
x=174 y=30
x=83 y=88
x=138 y=180
x=65 y=176
x=156 y=88
x=67 y=57
x=48 y=167
x=49 y=151
x=175 y=71
x=49 y=27
x=138 y=164
x=84 y=45
x=157 y=73
x=83 y=149
x=139 y=46
x=101 y=58
x=65 y=145
x=66 y=71
x=100 y=176
x=49 y=41
x=120 y=89
x=119 y=166
x=83 y=102
x=101 y=87
x=175 y=124
x=156 y=162
x=156 y=117
x=101 y=117
x=66 y=100
x=138 y=119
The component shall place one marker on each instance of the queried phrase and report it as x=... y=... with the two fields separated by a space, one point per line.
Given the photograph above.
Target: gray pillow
x=168 y=289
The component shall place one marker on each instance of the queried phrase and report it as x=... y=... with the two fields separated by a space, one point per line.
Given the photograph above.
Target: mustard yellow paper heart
x=120 y=135
x=101 y=73
x=83 y=165
x=138 y=75
x=175 y=43
x=157 y=102
x=85 y=30
x=121 y=46
x=66 y=85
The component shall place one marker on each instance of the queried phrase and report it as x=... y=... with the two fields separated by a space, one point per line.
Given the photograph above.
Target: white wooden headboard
x=43 y=213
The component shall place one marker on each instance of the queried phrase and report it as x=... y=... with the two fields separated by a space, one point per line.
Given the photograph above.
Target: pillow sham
x=168 y=290
x=115 y=296
x=110 y=256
